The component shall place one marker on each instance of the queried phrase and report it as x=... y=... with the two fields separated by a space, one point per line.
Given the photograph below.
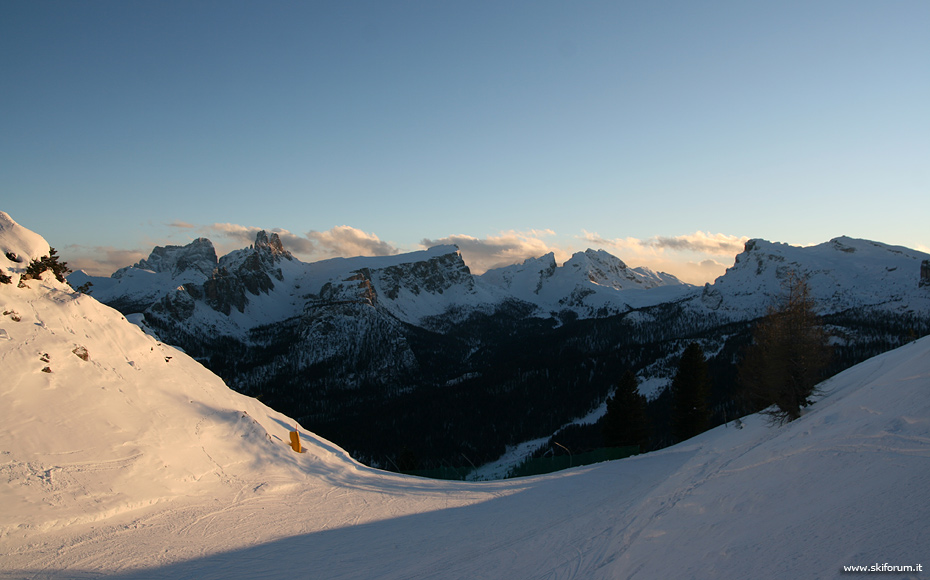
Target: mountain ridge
x=588 y=282
x=414 y=352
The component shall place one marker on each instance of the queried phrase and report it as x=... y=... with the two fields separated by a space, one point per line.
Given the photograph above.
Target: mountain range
x=412 y=354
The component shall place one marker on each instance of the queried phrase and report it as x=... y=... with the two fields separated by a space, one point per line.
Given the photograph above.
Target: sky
x=666 y=133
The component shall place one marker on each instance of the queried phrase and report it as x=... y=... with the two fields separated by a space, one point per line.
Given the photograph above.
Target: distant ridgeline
x=411 y=362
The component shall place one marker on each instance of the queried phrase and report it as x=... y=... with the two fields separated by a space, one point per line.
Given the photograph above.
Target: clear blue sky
x=653 y=130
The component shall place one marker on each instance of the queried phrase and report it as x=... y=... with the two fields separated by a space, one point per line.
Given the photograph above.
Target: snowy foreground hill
x=139 y=463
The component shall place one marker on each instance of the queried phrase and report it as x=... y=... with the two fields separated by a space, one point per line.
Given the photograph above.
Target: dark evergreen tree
x=690 y=391
x=788 y=356
x=50 y=262
x=625 y=422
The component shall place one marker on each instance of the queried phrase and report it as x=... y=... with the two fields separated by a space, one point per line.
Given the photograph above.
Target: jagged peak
x=198 y=255
x=271 y=243
x=547 y=261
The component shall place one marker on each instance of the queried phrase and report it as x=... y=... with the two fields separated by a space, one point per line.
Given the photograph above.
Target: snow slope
x=135 y=465
x=19 y=242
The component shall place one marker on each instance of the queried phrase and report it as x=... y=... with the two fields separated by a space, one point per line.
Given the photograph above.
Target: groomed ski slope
x=134 y=465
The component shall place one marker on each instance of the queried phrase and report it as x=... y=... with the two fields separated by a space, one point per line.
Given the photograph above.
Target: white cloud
x=346 y=241
x=715 y=244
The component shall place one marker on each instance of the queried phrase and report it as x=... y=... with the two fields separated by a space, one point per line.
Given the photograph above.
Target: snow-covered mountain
x=844 y=273
x=592 y=283
x=191 y=282
x=123 y=457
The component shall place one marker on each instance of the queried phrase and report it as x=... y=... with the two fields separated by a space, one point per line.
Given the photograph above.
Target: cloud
x=181 y=225
x=242 y=235
x=100 y=260
x=482 y=254
x=716 y=244
x=699 y=242
x=346 y=241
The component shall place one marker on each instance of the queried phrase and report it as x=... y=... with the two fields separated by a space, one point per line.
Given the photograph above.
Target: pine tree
x=788 y=355
x=625 y=422
x=690 y=390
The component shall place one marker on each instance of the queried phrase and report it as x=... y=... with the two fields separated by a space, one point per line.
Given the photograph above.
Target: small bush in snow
x=50 y=262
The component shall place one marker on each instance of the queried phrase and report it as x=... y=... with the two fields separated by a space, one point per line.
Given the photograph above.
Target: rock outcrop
x=197 y=256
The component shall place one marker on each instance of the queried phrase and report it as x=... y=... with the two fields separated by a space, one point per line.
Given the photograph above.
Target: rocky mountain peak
x=198 y=256
x=271 y=243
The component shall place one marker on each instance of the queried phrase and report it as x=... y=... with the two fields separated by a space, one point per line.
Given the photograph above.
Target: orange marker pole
x=295 y=441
